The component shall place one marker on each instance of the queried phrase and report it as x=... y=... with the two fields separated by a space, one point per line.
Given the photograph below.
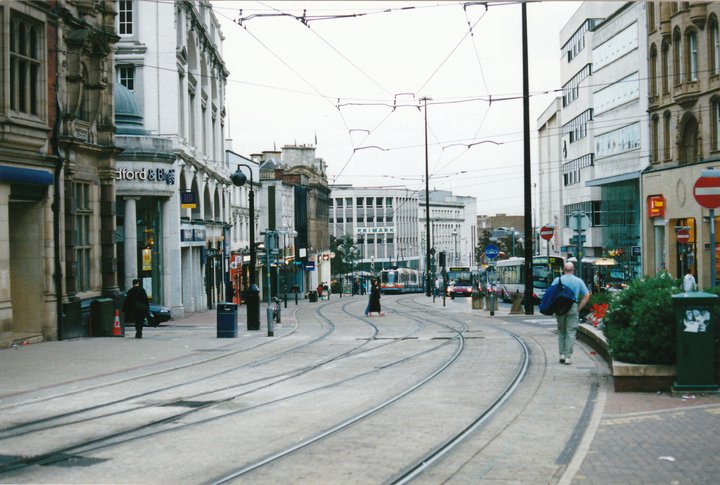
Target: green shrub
x=640 y=323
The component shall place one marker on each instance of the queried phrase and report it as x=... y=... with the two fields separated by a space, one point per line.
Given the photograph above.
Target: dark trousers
x=138 y=327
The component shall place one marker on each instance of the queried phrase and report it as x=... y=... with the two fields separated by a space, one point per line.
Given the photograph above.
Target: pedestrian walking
x=689 y=283
x=136 y=306
x=374 y=300
x=568 y=323
x=320 y=288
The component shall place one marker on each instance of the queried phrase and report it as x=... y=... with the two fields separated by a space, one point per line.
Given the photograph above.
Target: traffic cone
x=117 y=331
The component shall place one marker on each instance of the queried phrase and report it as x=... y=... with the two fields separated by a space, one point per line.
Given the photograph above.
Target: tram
x=400 y=280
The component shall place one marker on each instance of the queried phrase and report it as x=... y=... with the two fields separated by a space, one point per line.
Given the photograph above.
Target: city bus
x=461 y=280
x=511 y=276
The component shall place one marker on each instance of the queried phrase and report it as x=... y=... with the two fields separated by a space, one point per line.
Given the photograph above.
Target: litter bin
x=252 y=300
x=313 y=295
x=695 y=314
x=102 y=317
x=226 y=320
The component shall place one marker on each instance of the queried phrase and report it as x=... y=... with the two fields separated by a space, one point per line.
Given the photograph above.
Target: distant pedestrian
x=568 y=323
x=689 y=283
x=374 y=300
x=136 y=307
x=320 y=288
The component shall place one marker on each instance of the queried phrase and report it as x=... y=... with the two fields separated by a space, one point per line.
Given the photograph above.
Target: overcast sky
x=354 y=84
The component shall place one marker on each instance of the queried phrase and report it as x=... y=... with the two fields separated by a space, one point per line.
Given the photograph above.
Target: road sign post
x=707 y=193
x=492 y=252
x=547 y=232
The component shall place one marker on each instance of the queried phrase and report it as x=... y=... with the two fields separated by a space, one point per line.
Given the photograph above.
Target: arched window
x=667 y=149
x=653 y=70
x=654 y=141
x=651 y=16
x=688 y=140
x=677 y=57
x=692 y=56
x=665 y=67
x=714 y=46
x=715 y=121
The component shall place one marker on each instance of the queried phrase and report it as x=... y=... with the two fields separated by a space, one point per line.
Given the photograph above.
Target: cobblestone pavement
x=654 y=439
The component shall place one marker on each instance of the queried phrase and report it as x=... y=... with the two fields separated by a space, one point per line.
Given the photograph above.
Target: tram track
x=435 y=330
x=102 y=441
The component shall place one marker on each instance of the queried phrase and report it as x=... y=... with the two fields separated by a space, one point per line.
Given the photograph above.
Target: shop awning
x=613 y=179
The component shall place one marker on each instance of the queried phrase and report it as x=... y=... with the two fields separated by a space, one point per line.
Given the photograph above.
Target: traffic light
x=441 y=259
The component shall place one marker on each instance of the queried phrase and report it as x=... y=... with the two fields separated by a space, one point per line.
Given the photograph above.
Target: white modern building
x=593 y=139
x=453 y=226
x=173 y=187
x=382 y=222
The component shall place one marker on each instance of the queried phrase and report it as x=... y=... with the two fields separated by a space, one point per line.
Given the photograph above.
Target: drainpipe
x=58 y=276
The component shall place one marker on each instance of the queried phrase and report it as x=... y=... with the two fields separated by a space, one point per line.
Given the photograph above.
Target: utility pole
x=529 y=305
x=427 y=206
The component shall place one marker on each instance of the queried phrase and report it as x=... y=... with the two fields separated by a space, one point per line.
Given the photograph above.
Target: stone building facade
x=684 y=108
x=173 y=181
x=57 y=163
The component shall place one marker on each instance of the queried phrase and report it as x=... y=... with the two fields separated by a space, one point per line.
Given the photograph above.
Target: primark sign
x=374 y=230
x=147 y=174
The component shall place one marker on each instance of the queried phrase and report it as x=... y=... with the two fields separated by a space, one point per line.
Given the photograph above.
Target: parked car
x=158 y=314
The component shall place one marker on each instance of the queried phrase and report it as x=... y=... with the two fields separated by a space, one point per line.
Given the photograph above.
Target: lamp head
x=238 y=178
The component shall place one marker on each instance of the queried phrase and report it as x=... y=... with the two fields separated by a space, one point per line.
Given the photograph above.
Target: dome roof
x=128 y=117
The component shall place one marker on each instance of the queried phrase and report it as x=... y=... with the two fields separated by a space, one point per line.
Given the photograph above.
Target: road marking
x=542 y=321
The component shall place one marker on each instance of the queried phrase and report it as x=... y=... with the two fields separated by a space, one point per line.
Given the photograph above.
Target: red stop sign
x=683 y=236
x=707 y=189
x=546 y=232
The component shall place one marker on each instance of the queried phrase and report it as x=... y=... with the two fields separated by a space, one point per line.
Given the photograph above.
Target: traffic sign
x=707 y=189
x=574 y=239
x=492 y=251
x=683 y=236
x=579 y=221
x=547 y=232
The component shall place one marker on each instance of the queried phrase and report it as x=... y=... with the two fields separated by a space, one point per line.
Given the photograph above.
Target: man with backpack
x=568 y=322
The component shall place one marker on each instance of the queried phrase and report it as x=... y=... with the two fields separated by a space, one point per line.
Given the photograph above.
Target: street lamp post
x=253 y=299
x=455 y=252
x=427 y=206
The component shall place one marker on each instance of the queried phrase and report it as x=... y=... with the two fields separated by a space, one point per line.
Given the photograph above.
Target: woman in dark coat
x=374 y=304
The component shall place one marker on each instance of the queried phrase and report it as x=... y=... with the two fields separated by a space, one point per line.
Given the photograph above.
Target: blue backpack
x=557 y=300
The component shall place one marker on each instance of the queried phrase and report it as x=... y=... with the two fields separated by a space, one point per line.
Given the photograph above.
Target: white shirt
x=689 y=283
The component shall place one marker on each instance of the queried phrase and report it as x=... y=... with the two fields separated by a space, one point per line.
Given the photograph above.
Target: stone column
x=131 y=266
x=171 y=255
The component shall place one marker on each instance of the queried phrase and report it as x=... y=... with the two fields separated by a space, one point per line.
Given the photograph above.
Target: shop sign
x=147 y=259
x=147 y=174
x=375 y=230
x=198 y=235
x=656 y=206
x=309 y=265
x=186 y=235
x=187 y=200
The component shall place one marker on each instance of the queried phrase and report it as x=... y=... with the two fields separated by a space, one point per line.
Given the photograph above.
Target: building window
x=614 y=48
x=665 y=68
x=692 y=56
x=125 y=17
x=654 y=138
x=577 y=127
x=653 y=70
x=571 y=169
x=651 y=16
x=591 y=208
x=667 y=152
x=26 y=44
x=576 y=43
x=677 y=58
x=714 y=56
x=571 y=89
x=83 y=213
x=126 y=76
x=716 y=124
